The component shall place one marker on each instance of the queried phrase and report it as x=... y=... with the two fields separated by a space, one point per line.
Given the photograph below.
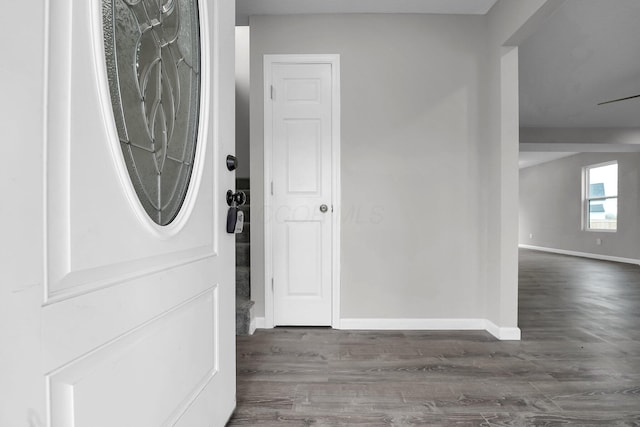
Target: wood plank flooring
x=578 y=363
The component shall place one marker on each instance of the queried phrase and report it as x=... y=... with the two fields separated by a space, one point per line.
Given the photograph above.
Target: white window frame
x=586 y=199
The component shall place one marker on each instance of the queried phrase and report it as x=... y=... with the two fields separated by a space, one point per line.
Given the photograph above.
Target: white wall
x=423 y=159
x=551 y=206
x=410 y=107
x=242 y=101
x=509 y=23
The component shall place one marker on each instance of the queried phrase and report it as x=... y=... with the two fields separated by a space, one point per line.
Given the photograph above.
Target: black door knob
x=236 y=199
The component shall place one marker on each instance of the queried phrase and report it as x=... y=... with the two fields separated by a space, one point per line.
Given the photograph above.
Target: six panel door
x=302 y=132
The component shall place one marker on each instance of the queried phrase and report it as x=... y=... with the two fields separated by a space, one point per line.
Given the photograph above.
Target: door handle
x=236 y=199
x=324 y=208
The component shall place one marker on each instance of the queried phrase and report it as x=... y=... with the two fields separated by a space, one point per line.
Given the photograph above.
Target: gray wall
x=510 y=22
x=551 y=206
x=242 y=101
x=412 y=96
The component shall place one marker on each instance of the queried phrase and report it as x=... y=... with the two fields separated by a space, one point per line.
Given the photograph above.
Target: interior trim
x=581 y=254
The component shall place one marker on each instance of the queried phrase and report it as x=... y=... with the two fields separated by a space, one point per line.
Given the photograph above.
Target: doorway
x=302 y=189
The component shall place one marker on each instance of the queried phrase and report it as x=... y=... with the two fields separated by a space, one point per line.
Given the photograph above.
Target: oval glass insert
x=152 y=50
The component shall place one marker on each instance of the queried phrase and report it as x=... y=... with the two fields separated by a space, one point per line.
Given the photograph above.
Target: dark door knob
x=236 y=199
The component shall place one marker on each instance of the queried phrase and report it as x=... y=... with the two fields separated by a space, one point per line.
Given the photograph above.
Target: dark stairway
x=244 y=305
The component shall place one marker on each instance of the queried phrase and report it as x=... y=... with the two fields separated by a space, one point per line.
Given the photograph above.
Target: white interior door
x=106 y=318
x=302 y=132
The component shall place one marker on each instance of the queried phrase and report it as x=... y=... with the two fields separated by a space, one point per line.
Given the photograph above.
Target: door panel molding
x=75 y=389
x=81 y=282
x=296 y=173
x=81 y=257
x=268 y=63
x=110 y=313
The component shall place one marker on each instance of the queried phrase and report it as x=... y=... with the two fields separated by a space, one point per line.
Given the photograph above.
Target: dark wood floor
x=578 y=363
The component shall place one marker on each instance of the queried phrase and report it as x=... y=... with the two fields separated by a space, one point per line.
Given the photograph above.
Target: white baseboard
x=582 y=254
x=500 y=333
x=503 y=333
x=412 y=324
x=252 y=326
x=259 y=323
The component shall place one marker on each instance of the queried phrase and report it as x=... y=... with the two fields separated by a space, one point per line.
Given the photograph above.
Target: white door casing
x=136 y=321
x=302 y=174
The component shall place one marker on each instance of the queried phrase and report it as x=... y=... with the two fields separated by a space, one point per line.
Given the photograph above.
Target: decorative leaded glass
x=152 y=51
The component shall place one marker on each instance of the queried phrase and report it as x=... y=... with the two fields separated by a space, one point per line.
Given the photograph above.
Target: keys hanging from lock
x=235 y=217
x=235 y=220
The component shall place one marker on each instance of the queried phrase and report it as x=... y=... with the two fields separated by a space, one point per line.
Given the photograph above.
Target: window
x=601 y=201
x=152 y=49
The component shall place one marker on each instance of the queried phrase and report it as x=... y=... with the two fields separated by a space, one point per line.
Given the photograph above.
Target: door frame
x=334 y=61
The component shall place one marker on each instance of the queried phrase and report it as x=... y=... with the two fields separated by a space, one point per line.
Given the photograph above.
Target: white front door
x=302 y=202
x=107 y=318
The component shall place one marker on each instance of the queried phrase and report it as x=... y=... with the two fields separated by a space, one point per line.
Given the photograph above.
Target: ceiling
x=246 y=8
x=587 y=52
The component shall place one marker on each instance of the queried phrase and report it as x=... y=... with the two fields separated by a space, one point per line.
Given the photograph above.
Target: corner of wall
x=503 y=333
x=509 y=22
